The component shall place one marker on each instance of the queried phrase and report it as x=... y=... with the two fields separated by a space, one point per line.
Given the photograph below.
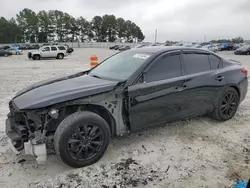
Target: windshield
x=120 y=66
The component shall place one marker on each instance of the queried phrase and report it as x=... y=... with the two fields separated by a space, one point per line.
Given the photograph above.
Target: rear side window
x=165 y=68
x=53 y=48
x=214 y=61
x=61 y=48
x=195 y=63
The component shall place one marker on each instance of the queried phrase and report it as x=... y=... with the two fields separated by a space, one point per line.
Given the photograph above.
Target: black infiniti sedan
x=244 y=50
x=130 y=90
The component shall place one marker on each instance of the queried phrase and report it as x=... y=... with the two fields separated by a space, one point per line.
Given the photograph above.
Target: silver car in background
x=58 y=52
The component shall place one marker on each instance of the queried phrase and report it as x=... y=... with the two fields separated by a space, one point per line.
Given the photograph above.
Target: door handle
x=180 y=88
x=219 y=78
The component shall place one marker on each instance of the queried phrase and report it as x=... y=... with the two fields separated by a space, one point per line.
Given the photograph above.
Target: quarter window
x=195 y=63
x=166 y=67
x=61 y=48
x=214 y=61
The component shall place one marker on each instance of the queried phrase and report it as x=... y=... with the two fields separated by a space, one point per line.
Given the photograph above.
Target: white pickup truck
x=58 y=52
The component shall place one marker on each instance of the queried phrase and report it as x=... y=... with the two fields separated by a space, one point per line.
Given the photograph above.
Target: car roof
x=162 y=49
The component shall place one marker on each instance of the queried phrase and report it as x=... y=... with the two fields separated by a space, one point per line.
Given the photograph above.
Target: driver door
x=46 y=52
x=158 y=97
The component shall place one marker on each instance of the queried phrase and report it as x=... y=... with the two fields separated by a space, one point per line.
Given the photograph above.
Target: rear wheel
x=60 y=56
x=6 y=55
x=248 y=53
x=227 y=105
x=81 y=139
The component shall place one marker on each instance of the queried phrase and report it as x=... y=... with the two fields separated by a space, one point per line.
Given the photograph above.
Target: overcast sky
x=187 y=20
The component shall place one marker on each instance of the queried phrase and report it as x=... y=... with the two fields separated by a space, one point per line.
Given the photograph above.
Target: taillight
x=244 y=71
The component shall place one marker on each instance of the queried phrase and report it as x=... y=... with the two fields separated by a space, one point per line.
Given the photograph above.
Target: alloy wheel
x=85 y=142
x=229 y=104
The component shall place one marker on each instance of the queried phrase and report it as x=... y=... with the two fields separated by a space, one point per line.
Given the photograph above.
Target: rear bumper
x=243 y=86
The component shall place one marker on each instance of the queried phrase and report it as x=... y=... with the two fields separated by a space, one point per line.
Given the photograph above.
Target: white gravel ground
x=195 y=153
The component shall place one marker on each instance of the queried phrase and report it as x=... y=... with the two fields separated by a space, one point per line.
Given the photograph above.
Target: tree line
x=55 y=25
x=233 y=40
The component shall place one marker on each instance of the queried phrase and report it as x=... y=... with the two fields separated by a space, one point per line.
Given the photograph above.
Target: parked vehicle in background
x=29 y=46
x=4 y=53
x=46 y=44
x=82 y=111
x=123 y=48
x=140 y=46
x=114 y=47
x=117 y=47
x=14 y=51
x=34 y=46
x=5 y=47
x=69 y=49
x=15 y=46
x=236 y=46
x=244 y=50
x=58 y=52
x=227 y=46
x=212 y=48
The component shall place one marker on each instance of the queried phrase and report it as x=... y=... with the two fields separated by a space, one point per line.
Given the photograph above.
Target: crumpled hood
x=59 y=90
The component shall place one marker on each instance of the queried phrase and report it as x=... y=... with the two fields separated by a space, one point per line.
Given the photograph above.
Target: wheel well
x=237 y=89
x=99 y=110
x=60 y=53
x=105 y=114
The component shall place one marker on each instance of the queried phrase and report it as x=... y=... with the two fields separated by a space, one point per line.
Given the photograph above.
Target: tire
x=221 y=111
x=36 y=57
x=72 y=129
x=60 y=56
x=6 y=55
x=248 y=53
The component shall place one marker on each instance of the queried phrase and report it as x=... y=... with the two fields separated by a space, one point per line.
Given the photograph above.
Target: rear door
x=204 y=80
x=54 y=51
x=157 y=96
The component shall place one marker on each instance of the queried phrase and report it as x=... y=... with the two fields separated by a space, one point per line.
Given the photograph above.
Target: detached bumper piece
x=18 y=135
x=19 y=140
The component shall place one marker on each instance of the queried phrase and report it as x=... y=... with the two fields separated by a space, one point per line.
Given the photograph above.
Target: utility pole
x=155 y=36
x=205 y=37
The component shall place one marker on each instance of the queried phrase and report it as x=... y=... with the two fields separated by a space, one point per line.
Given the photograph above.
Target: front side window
x=166 y=67
x=195 y=63
x=46 y=49
x=120 y=66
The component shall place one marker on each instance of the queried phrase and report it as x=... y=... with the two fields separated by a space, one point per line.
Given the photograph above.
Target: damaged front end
x=26 y=132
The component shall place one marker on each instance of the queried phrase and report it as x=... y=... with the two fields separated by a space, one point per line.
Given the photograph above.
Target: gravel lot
x=198 y=152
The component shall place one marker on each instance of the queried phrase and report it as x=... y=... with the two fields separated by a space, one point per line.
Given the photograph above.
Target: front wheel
x=36 y=57
x=227 y=105
x=81 y=139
